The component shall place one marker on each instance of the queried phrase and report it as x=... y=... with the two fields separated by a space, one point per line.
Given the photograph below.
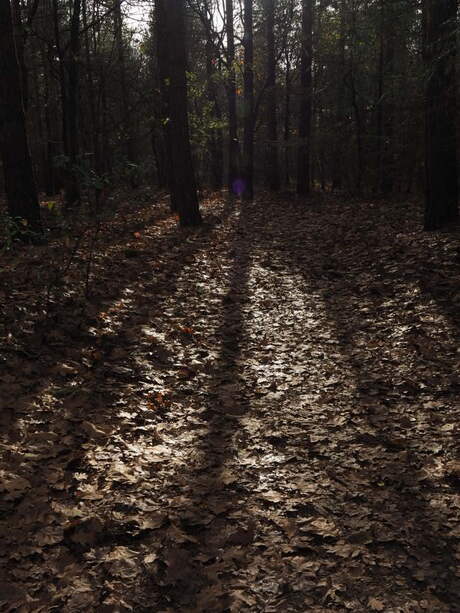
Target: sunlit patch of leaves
x=258 y=416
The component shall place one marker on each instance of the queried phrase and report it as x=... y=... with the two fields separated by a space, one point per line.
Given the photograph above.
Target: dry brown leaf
x=376 y=604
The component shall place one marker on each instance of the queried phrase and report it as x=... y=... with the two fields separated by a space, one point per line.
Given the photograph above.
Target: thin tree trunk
x=107 y=155
x=17 y=166
x=337 y=163
x=359 y=126
x=287 y=120
x=37 y=95
x=233 y=146
x=61 y=73
x=163 y=76
x=214 y=134
x=248 y=144
x=272 y=167
x=441 y=196
x=126 y=122
x=305 y=111
x=385 y=106
x=20 y=36
x=51 y=112
x=69 y=79
x=94 y=114
x=50 y=146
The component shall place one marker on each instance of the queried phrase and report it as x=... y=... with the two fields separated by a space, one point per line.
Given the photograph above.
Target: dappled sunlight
x=109 y=449
x=260 y=419
x=385 y=430
x=229 y=307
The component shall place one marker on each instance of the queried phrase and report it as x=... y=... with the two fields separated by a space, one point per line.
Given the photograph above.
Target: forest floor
x=262 y=414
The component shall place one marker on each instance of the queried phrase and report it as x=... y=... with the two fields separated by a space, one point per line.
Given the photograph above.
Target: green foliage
x=201 y=115
x=14 y=229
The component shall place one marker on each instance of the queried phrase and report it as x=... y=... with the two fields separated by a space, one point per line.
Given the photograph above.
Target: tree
x=99 y=96
x=233 y=147
x=248 y=138
x=215 y=133
x=272 y=168
x=126 y=122
x=441 y=190
x=385 y=119
x=17 y=165
x=182 y=183
x=306 y=93
x=339 y=119
x=287 y=54
x=164 y=155
x=70 y=89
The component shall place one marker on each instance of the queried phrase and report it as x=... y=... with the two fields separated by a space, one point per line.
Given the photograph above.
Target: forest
x=229 y=306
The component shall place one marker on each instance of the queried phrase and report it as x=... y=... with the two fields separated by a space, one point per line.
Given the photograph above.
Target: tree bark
x=69 y=83
x=73 y=68
x=357 y=111
x=233 y=146
x=337 y=161
x=183 y=186
x=20 y=36
x=287 y=119
x=272 y=167
x=215 y=137
x=248 y=144
x=305 y=111
x=385 y=127
x=93 y=107
x=163 y=76
x=17 y=165
x=126 y=120
x=441 y=189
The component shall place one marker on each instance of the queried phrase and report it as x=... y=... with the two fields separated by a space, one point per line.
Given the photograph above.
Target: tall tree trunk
x=126 y=121
x=358 y=127
x=158 y=133
x=337 y=160
x=48 y=103
x=385 y=103
x=106 y=149
x=441 y=196
x=36 y=93
x=163 y=76
x=71 y=108
x=359 y=123
x=93 y=110
x=287 y=96
x=272 y=167
x=248 y=143
x=233 y=146
x=61 y=73
x=183 y=185
x=51 y=110
x=305 y=111
x=20 y=36
x=287 y=119
x=159 y=155
x=17 y=166
x=215 y=138
x=320 y=110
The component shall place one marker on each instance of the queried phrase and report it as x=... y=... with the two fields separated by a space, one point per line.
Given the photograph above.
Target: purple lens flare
x=238 y=186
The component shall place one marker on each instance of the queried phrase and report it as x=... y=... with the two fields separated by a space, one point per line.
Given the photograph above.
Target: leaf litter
x=259 y=415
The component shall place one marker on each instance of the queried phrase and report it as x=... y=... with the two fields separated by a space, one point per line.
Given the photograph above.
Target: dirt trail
x=260 y=415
